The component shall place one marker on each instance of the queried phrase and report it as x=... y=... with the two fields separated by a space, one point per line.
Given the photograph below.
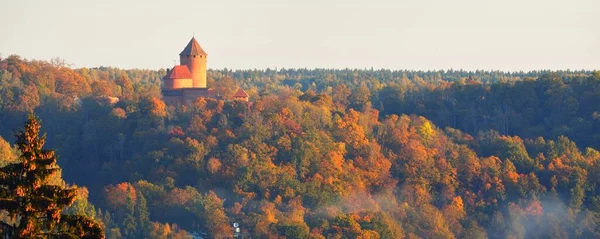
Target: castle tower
x=195 y=59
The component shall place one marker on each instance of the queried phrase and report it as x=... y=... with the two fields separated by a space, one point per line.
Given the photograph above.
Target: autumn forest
x=315 y=153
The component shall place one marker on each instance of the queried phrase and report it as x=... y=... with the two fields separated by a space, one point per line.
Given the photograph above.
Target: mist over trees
x=320 y=153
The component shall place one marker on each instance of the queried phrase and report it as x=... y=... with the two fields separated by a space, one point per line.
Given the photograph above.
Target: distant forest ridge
x=484 y=76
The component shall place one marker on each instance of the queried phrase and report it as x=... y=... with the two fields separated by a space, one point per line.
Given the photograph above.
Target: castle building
x=241 y=95
x=186 y=82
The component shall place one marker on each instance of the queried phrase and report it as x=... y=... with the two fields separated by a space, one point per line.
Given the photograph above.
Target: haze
x=433 y=34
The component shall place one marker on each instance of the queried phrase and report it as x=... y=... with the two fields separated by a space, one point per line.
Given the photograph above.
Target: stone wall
x=177 y=83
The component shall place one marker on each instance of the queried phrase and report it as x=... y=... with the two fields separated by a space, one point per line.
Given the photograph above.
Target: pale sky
x=240 y=34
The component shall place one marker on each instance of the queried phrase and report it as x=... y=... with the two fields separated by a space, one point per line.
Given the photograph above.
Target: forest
x=319 y=153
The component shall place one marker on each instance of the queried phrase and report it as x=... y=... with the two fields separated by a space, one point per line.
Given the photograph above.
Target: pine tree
x=142 y=215
x=31 y=201
x=129 y=225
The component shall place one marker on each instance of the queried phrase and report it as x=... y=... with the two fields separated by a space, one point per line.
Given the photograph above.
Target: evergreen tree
x=141 y=211
x=33 y=204
x=130 y=225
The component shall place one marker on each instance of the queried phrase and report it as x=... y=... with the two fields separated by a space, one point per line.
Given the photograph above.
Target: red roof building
x=185 y=83
x=241 y=95
x=179 y=72
x=177 y=78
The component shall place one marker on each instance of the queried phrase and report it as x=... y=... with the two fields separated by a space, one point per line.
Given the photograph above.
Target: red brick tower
x=195 y=59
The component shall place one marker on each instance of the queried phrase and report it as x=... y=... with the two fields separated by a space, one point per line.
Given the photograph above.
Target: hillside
x=321 y=153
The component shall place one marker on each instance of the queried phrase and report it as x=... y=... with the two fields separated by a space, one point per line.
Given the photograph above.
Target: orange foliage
x=336 y=159
x=535 y=208
x=158 y=107
x=415 y=194
x=176 y=132
x=350 y=132
x=268 y=217
x=213 y=165
x=180 y=197
x=117 y=196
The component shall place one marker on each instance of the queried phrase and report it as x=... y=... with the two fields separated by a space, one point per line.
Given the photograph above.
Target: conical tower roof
x=193 y=49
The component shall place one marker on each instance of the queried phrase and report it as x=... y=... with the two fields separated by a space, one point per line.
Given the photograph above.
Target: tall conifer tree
x=33 y=203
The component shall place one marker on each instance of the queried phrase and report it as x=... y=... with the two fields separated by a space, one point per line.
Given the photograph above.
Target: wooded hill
x=321 y=153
